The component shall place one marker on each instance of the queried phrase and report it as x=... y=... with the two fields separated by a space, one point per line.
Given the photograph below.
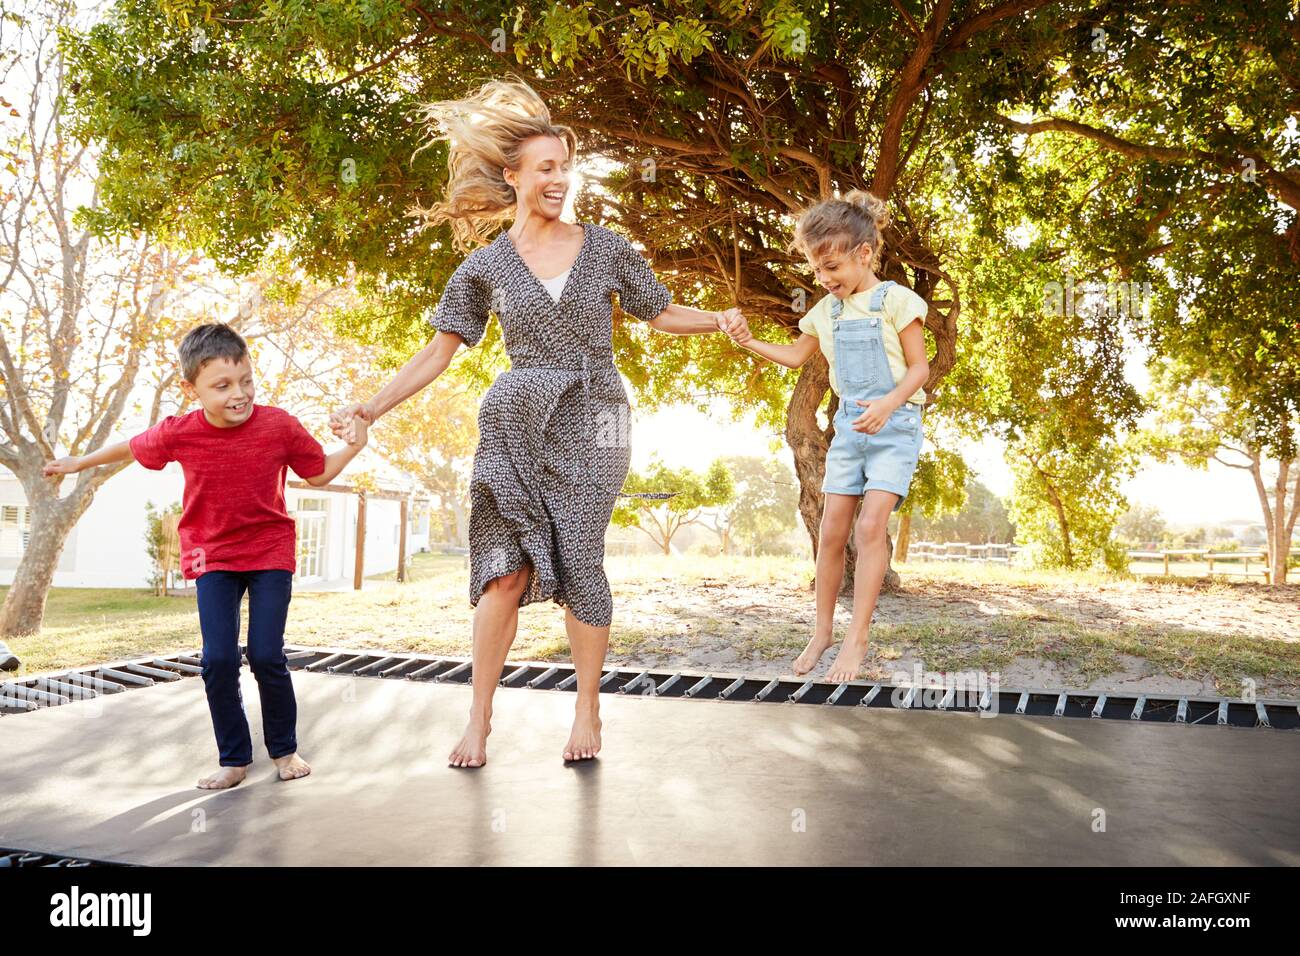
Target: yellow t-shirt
x=901 y=307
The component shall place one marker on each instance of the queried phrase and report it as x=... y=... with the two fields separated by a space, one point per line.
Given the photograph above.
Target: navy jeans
x=220 y=594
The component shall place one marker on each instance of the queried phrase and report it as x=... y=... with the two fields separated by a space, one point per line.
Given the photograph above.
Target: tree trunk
x=904 y=537
x=24 y=606
x=808 y=440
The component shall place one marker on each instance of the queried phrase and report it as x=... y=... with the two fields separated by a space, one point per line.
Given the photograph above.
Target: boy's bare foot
x=292 y=767
x=848 y=661
x=812 y=654
x=472 y=749
x=584 y=739
x=223 y=779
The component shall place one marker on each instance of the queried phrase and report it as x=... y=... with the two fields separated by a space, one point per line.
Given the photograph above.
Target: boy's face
x=224 y=389
x=840 y=273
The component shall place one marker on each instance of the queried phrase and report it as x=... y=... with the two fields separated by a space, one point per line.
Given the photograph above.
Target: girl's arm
x=918 y=367
x=108 y=455
x=791 y=355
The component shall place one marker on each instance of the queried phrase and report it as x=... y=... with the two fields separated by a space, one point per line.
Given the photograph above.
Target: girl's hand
x=62 y=466
x=873 y=417
x=733 y=322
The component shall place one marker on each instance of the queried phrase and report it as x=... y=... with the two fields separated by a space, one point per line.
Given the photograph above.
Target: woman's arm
x=683 y=320
x=422 y=368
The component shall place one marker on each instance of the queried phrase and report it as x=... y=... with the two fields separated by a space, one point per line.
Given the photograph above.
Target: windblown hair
x=487 y=131
x=206 y=342
x=841 y=224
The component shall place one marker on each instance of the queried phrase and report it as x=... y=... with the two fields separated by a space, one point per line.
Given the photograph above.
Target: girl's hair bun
x=871 y=204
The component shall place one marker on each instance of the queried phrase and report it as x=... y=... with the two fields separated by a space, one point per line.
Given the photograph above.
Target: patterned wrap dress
x=553 y=449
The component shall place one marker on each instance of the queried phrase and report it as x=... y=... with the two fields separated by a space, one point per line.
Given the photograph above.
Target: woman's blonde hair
x=487 y=131
x=841 y=224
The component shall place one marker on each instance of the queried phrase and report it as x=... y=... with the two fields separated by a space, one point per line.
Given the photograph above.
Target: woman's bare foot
x=292 y=767
x=584 y=739
x=472 y=749
x=812 y=654
x=849 y=660
x=223 y=779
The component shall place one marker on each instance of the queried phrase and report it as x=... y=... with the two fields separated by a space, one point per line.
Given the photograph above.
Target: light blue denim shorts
x=857 y=462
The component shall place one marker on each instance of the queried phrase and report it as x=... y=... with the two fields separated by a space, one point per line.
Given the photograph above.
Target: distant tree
x=661 y=520
x=1141 y=526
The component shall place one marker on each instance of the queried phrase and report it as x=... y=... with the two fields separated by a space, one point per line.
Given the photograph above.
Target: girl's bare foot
x=472 y=749
x=812 y=654
x=292 y=767
x=223 y=779
x=849 y=660
x=584 y=739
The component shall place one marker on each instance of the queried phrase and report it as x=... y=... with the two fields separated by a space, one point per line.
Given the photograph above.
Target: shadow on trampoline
x=678 y=782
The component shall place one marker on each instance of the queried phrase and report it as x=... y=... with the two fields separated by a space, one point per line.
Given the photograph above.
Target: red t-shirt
x=233 y=516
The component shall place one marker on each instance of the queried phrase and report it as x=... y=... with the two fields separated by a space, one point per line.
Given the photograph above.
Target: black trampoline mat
x=678 y=782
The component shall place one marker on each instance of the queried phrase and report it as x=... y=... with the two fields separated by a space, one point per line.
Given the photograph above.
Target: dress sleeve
x=153 y=447
x=903 y=306
x=640 y=294
x=463 y=308
x=305 y=455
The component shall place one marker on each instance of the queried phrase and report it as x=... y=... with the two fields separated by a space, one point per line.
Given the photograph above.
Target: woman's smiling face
x=542 y=180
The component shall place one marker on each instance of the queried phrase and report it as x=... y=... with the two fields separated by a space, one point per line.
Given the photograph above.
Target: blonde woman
x=553 y=451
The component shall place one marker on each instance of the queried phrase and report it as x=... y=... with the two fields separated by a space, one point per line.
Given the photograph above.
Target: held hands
x=874 y=415
x=352 y=422
x=734 y=324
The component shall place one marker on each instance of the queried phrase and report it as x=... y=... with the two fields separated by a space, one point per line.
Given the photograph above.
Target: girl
x=871 y=334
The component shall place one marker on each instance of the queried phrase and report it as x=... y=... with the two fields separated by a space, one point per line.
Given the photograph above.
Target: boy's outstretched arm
x=336 y=461
x=108 y=455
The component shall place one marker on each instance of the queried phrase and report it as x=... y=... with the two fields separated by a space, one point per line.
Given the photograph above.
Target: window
x=15 y=530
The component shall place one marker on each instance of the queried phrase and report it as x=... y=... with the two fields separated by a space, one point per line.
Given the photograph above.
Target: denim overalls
x=857 y=462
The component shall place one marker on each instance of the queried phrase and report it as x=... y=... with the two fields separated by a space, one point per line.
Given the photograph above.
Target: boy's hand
x=342 y=419
x=357 y=430
x=874 y=415
x=62 y=466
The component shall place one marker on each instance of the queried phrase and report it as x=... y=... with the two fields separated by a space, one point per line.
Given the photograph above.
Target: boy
x=235 y=534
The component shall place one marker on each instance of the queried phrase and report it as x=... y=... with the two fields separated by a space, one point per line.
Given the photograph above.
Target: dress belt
x=586 y=366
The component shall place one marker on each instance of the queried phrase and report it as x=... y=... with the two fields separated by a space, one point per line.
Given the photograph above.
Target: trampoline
x=695 y=769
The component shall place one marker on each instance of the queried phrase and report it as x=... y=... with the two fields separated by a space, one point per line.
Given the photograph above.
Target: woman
x=553 y=450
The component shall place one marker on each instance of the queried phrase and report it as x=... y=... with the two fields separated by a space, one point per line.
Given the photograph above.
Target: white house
x=106 y=548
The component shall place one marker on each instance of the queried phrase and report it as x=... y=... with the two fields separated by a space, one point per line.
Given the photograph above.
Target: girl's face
x=542 y=180
x=842 y=273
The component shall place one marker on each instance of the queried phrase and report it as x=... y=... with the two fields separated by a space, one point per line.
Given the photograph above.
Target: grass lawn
x=753 y=615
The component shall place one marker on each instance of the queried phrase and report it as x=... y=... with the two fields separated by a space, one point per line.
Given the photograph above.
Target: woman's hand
x=874 y=415
x=342 y=424
x=62 y=466
x=732 y=321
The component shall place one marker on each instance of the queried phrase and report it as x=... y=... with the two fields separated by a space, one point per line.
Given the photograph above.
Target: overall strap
x=878 y=295
x=837 y=306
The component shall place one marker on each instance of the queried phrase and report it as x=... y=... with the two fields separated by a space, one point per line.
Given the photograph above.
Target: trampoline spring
x=375 y=665
x=1023 y=702
x=871 y=695
x=1137 y=708
x=1098 y=707
x=546 y=675
x=1262 y=714
x=1060 y=705
x=39 y=697
x=17 y=703
x=325 y=662
x=183 y=666
x=454 y=672
x=985 y=699
x=64 y=689
x=836 y=694
x=514 y=675
x=906 y=703
x=154 y=672
x=123 y=677
x=198 y=661
x=947 y=698
x=807 y=685
x=635 y=682
x=698 y=686
x=770 y=686
x=426 y=669
x=337 y=668
x=1181 y=717
x=731 y=688
x=606 y=679
x=567 y=682
x=667 y=684
x=297 y=655
x=1223 y=713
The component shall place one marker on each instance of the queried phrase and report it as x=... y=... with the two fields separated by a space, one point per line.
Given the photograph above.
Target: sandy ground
x=695 y=627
